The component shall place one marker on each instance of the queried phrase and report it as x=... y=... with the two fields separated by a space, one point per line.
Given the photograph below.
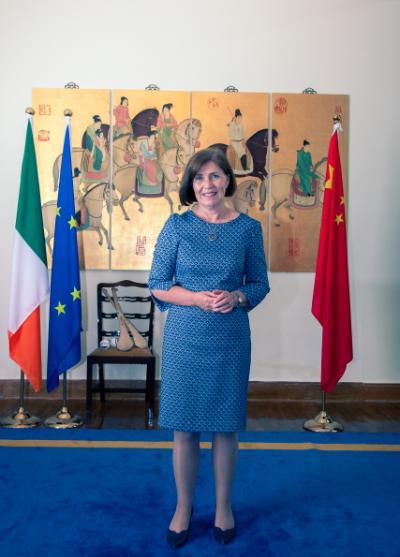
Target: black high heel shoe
x=224 y=536
x=177 y=539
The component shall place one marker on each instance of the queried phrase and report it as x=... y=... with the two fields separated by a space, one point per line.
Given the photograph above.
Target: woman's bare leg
x=186 y=456
x=224 y=448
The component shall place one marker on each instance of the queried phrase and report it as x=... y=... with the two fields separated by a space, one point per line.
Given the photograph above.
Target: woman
x=209 y=270
x=167 y=125
x=149 y=174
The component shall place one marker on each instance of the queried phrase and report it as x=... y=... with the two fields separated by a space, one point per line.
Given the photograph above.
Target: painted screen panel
x=90 y=131
x=152 y=141
x=297 y=179
x=237 y=123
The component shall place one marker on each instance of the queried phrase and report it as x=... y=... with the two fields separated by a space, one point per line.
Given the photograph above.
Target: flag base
x=323 y=423
x=20 y=420
x=64 y=420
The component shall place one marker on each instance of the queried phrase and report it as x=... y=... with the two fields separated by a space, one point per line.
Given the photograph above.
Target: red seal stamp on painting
x=280 y=105
x=140 y=245
x=293 y=247
x=212 y=103
x=45 y=109
x=44 y=135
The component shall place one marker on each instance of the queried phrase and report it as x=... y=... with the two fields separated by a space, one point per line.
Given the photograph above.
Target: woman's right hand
x=204 y=300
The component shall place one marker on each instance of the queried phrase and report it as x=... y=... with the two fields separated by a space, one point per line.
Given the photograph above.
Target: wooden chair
x=137 y=306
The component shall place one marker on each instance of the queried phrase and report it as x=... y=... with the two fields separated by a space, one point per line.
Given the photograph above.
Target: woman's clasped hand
x=220 y=301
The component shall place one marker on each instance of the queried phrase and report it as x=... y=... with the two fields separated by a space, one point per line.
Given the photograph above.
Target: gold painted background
x=295 y=217
x=49 y=130
x=216 y=112
x=137 y=219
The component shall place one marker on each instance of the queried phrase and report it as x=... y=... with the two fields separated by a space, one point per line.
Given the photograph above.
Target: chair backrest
x=136 y=304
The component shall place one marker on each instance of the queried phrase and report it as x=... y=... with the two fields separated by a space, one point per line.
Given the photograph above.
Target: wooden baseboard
x=344 y=392
x=259 y=391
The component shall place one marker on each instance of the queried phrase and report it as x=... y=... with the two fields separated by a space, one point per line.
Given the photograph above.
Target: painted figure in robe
x=167 y=125
x=122 y=118
x=149 y=176
x=238 y=142
x=304 y=168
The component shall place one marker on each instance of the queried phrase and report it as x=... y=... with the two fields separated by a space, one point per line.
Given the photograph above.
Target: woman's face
x=209 y=186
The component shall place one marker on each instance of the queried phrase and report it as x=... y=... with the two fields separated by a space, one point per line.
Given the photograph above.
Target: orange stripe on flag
x=25 y=348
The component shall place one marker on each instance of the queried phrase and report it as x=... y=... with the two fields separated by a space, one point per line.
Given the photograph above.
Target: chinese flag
x=331 y=299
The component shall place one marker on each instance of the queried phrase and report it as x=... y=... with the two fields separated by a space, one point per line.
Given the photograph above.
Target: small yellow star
x=60 y=308
x=339 y=219
x=72 y=223
x=58 y=211
x=328 y=183
x=342 y=200
x=76 y=294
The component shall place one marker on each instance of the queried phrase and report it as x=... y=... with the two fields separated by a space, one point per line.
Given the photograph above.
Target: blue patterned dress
x=206 y=355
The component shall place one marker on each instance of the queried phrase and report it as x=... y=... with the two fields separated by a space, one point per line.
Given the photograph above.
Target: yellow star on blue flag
x=60 y=308
x=76 y=294
x=73 y=223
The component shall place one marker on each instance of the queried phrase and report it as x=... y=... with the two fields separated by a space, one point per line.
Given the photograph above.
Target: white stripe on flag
x=29 y=283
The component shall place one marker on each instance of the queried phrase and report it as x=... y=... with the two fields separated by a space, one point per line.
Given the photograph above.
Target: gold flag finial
x=30 y=110
x=68 y=112
x=337 y=123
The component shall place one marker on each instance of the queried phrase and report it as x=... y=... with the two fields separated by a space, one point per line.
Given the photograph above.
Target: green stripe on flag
x=29 y=213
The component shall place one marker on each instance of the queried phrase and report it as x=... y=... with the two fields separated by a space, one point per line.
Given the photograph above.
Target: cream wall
x=333 y=46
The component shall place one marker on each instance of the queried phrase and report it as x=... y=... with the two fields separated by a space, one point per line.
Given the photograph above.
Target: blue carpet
x=106 y=502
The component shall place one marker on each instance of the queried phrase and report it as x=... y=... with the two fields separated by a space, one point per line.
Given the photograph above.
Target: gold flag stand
x=323 y=423
x=64 y=419
x=21 y=419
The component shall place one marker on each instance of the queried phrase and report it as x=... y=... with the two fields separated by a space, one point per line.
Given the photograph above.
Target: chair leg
x=150 y=388
x=101 y=384
x=89 y=394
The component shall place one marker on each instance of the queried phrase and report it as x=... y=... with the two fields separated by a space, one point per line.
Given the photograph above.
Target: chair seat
x=114 y=353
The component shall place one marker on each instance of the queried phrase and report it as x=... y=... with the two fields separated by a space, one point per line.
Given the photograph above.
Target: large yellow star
x=339 y=219
x=72 y=223
x=58 y=211
x=328 y=183
x=76 y=294
x=60 y=308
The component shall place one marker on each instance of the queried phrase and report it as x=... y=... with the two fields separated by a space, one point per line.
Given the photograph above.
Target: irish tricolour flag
x=29 y=282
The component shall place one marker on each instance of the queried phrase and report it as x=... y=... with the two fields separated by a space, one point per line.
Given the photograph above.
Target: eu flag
x=65 y=292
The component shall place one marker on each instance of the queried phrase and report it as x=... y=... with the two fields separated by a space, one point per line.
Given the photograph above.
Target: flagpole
x=64 y=419
x=21 y=418
x=323 y=423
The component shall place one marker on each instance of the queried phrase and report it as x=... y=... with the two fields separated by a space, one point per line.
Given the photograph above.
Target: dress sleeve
x=164 y=259
x=256 y=284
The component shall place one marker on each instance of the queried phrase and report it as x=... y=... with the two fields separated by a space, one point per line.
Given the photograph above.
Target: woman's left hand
x=225 y=301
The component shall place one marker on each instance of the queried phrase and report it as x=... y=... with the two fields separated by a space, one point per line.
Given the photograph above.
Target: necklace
x=212 y=232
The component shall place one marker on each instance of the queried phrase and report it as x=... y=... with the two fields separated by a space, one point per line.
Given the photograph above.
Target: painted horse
x=257 y=145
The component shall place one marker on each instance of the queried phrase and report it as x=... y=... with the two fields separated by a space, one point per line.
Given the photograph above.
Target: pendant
x=212 y=236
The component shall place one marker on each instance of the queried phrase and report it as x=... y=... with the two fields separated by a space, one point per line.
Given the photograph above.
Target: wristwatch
x=239 y=299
